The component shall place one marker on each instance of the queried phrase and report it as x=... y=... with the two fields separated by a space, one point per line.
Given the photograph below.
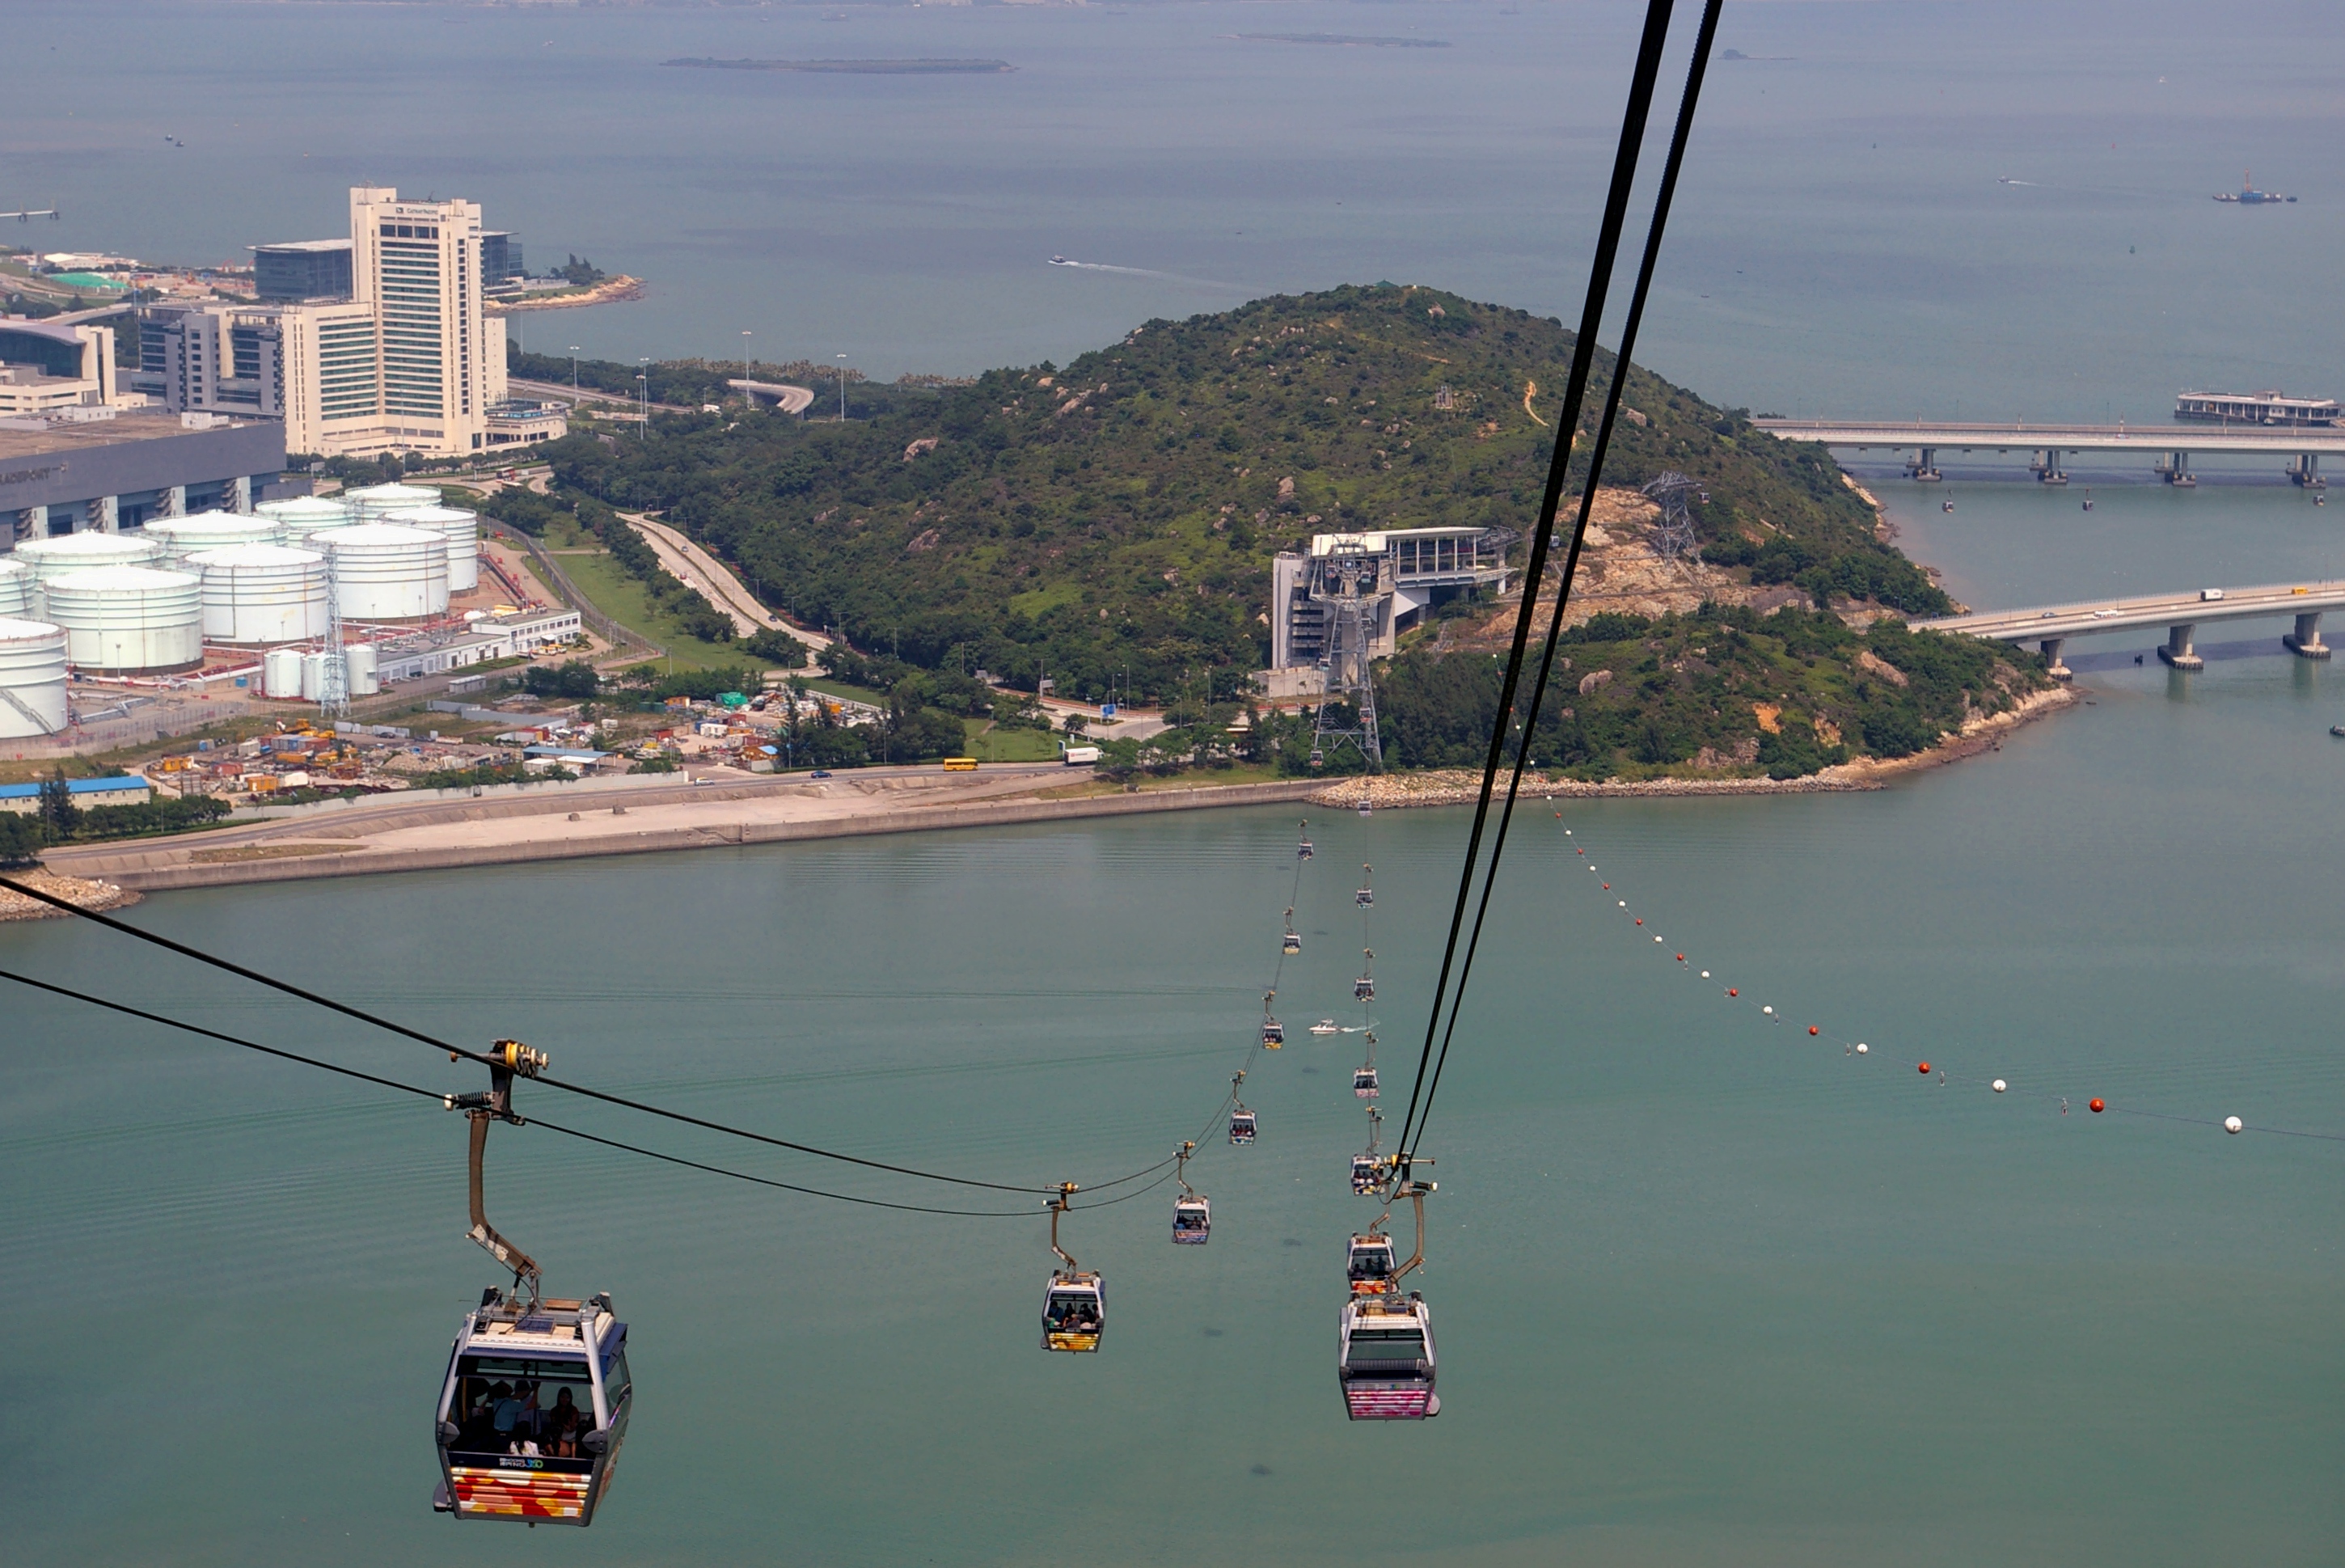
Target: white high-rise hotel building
x=411 y=362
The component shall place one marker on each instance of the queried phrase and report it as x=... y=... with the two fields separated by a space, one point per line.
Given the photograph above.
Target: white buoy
x=1766 y=1010
x=1861 y=1047
x=1624 y=903
x=2233 y=1124
x=1657 y=939
x=2000 y=1085
x=1705 y=975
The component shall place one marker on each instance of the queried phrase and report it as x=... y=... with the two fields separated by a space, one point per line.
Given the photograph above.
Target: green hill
x=1116 y=518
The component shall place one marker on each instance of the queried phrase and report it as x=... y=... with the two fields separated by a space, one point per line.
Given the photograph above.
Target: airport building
x=69 y=475
x=56 y=366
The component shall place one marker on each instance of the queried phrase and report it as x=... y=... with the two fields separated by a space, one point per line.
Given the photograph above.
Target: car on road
x=2210 y=594
x=819 y=773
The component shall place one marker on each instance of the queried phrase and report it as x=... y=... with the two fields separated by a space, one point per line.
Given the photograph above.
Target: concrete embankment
x=503 y=833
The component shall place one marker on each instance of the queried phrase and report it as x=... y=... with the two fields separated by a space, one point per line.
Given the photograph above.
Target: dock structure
x=2050 y=627
x=2046 y=445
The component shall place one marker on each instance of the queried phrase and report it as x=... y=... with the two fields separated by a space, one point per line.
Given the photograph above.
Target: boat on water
x=2337 y=730
x=1060 y=261
x=2249 y=196
x=1327 y=1026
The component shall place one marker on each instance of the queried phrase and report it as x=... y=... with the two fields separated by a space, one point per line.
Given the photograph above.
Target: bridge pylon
x=1924 y=466
x=2046 y=466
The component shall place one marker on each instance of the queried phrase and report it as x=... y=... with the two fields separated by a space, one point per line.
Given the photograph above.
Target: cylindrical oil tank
x=376 y=501
x=280 y=672
x=17 y=586
x=63 y=553
x=314 y=675
x=32 y=678
x=301 y=514
x=463 y=531
x=183 y=536
x=362 y=669
x=261 y=593
x=383 y=573
x=125 y=618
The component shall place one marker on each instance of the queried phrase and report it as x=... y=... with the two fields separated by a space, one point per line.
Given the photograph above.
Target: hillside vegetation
x=1115 y=520
x=1120 y=513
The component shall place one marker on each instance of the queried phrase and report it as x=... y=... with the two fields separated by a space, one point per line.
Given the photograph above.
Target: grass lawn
x=988 y=744
x=625 y=600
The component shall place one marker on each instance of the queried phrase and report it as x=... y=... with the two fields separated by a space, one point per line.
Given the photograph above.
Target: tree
x=778 y=648
x=58 y=811
x=1074 y=724
x=21 y=838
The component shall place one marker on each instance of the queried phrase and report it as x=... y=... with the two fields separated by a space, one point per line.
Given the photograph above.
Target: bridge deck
x=2157 y=610
x=2180 y=436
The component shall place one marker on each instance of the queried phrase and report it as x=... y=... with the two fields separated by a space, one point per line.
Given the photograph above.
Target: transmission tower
x=1352 y=586
x=1674 y=538
x=334 y=686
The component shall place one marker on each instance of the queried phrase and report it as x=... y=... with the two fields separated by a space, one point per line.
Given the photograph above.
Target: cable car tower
x=334 y=685
x=1354 y=586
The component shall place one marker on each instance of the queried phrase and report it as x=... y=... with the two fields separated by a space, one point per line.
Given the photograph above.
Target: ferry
x=2268 y=407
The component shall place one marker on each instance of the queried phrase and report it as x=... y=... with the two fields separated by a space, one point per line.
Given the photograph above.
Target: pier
x=2168 y=448
x=2050 y=627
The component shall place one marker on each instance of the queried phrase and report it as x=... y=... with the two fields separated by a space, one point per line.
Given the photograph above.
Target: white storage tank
x=376 y=502
x=383 y=573
x=463 y=529
x=302 y=515
x=181 y=538
x=32 y=678
x=17 y=587
x=125 y=618
x=363 y=669
x=63 y=553
x=261 y=593
x=280 y=672
x=313 y=675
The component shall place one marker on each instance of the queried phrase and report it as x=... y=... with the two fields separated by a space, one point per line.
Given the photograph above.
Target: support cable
x=1583 y=357
x=1705 y=35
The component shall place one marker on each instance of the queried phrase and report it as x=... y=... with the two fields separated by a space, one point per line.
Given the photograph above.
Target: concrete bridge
x=2050 y=626
x=2170 y=446
x=788 y=398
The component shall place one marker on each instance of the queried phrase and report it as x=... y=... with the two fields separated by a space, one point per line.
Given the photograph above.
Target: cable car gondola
x=1369 y=1165
x=534 y=1403
x=1303 y=849
x=1242 y=1126
x=1074 y=1308
x=1193 y=1211
x=1363 y=1081
x=1367 y=896
x=1290 y=941
x=1273 y=1033
x=1384 y=1356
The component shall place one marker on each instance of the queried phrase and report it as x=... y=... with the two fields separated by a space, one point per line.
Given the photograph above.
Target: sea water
x=1707 y=1289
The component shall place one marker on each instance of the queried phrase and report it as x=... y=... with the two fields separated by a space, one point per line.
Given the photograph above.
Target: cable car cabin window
x=1396 y=1350
x=1072 y=1310
x=615 y=1381
x=503 y=1403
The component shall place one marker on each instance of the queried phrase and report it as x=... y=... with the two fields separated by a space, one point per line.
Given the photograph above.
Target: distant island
x=857 y=67
x=1352 y=40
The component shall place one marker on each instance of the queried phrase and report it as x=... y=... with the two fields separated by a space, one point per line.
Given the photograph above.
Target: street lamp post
x=746 y=395
x=573 y=373
x=842 y=389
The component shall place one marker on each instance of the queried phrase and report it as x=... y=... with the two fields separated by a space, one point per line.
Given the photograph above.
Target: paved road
x=788 y=398
x=2157 y=610
x=699 y=569
x=562 y=391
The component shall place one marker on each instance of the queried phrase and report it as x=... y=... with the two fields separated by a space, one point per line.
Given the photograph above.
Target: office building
x=499 y=257
x=303 y=269
x=52 y=366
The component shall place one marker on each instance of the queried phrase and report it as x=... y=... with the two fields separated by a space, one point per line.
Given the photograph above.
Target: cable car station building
x=1429 y=566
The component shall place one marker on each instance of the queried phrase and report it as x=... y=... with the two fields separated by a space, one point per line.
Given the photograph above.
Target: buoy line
x=1860 y=1049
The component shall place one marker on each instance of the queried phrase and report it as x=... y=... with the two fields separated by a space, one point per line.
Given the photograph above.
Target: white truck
x=1081 y=756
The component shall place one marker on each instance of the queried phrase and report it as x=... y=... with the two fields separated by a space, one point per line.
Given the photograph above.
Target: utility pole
x=746 y=395
x=573 y=373
x=842 y=389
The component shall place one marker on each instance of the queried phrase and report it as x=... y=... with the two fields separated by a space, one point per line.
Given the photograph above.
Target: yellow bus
x=961 y=764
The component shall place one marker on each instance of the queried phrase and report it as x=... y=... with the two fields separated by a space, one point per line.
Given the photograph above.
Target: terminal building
x=1429 y=566
x=74 y=475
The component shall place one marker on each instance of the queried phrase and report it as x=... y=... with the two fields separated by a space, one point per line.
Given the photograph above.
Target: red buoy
x=1608 y=887
x=1640 y=919
x=1926 y=1069
x=1731 y=991
x=1813 y=1029
x=2095 y=1106
x=1681 y=957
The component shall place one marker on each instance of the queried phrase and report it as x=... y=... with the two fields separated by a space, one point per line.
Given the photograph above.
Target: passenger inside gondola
x=1073 y=1312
